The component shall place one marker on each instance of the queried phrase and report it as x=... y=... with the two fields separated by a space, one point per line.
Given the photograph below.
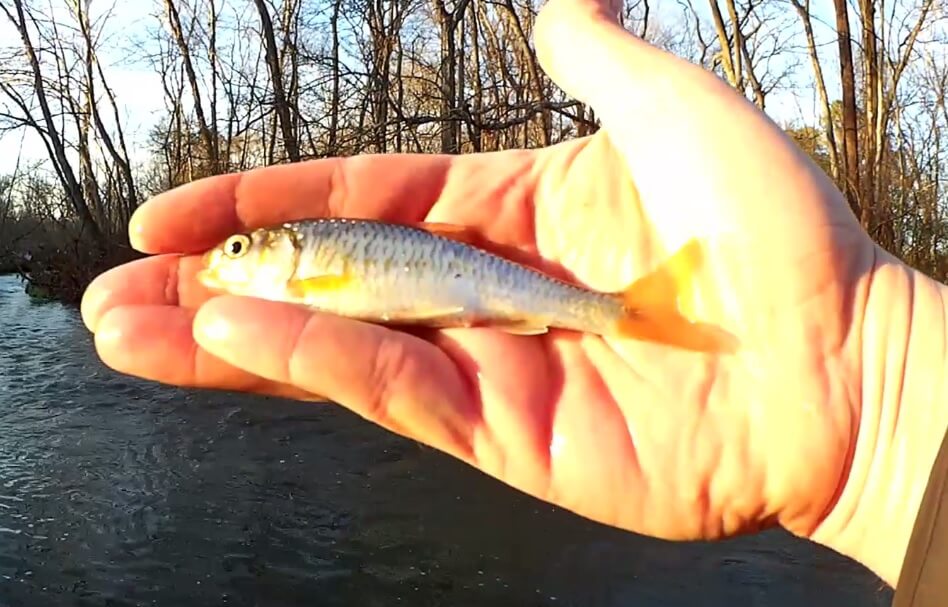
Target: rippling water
x=115 y=491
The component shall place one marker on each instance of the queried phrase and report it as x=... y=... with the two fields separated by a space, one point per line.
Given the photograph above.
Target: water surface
x=115 y=491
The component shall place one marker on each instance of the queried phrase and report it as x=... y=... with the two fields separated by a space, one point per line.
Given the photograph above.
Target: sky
x=136 y=86
x=801 y=102
x=138 y=89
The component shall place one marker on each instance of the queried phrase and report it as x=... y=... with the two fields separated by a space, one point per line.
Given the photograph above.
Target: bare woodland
x=254 y=82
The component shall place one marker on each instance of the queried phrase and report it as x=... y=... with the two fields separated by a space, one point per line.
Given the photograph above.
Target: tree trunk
x=209 y=138
x=852 y=182
x=290 y=143
x=54 y=140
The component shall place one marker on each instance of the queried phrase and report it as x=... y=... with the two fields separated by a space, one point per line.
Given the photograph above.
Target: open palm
x=661 y=441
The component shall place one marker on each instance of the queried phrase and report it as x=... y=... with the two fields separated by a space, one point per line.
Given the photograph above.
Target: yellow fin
x=319 y=284
x=668 y=283
x=652 y=306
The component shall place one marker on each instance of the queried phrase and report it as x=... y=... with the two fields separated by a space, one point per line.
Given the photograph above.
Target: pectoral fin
x=302 y=287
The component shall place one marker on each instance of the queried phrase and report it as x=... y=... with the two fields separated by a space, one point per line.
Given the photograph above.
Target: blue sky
x=138 y=87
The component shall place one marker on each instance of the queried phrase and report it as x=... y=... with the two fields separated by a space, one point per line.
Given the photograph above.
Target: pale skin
x=825 y=421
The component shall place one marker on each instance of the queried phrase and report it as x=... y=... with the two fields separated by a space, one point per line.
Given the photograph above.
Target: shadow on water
x=120 y=492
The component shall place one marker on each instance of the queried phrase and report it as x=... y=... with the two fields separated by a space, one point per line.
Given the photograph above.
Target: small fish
x=433 y=275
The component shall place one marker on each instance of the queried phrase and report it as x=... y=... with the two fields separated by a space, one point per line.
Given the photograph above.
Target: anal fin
x=429 y=316
x=519 y=328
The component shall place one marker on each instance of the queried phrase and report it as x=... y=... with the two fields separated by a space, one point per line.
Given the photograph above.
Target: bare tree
x=208 y=136
x=45 y=125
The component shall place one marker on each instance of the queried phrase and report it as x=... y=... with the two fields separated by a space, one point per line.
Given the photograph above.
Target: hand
x=652 y=439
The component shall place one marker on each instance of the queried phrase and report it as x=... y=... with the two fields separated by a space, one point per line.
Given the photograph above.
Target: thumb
x=687 y=137
x=582 y=47
x=585 y=50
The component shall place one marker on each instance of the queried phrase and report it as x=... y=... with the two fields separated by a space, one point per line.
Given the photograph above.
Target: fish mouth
x=208 y=278
x=206 y=275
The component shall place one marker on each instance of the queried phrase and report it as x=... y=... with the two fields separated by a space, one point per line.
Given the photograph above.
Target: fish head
x=258 y=263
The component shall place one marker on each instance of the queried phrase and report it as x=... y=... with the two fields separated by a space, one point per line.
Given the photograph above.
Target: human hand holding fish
x=688 y=362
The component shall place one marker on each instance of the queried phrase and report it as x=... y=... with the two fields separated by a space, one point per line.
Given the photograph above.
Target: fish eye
x=236 y=245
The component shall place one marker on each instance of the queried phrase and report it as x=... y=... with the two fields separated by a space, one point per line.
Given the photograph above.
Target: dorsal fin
x=475 y=237
x=465 y=234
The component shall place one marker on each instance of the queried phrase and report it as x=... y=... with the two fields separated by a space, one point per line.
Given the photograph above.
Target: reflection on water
x=120 y=492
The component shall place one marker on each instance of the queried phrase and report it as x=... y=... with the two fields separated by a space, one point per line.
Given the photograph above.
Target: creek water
x=115 y=491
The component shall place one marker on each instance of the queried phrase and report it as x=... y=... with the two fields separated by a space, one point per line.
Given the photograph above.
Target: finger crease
x=173 y=284
x=238 y=199
x=338 y=190
x=293 y=373
x=389 y=366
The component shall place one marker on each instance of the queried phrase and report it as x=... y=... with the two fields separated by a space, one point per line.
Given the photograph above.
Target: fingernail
x=135 y=231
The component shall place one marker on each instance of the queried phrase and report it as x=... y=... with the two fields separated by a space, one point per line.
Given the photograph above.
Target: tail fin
x=652 y=307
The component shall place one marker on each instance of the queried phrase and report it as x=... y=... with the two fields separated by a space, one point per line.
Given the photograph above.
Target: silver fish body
x=401 y=274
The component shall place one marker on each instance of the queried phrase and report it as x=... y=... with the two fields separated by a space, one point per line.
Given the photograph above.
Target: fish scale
x=431 y=272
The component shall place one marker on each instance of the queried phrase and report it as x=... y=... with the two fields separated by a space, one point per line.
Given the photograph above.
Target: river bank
x=8 y=265
x=59 y=259
x=62 y=273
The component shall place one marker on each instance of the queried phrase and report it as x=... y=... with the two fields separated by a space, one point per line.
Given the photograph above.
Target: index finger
x=198 y=215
